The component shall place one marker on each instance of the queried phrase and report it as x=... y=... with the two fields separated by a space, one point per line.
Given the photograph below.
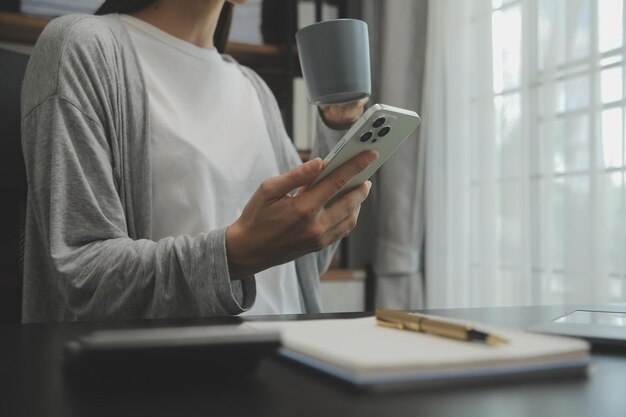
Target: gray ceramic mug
x=335 y=60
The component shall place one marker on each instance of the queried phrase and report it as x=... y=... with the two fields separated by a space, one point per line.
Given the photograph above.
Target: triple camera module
x=379 y=134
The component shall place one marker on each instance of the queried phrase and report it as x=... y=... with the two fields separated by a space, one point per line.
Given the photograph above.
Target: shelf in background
x=16 y=27
x=341 y=274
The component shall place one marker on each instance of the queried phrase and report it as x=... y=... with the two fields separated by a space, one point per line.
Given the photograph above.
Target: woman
x=154 y=168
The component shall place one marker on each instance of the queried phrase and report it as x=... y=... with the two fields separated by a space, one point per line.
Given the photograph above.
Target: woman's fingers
x=302 y=175
x=346 y=206
x=334 y=182
x=343 y=228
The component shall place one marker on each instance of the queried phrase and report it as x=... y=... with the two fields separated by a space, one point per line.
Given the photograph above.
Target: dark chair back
x=12 y=187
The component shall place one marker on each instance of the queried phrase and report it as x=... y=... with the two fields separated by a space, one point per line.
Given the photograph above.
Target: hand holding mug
x=342 y=116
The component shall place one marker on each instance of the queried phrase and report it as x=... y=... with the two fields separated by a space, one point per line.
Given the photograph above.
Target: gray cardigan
x=85 y=136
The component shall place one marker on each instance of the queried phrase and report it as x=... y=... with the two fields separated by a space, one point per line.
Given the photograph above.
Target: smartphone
x=381 y=128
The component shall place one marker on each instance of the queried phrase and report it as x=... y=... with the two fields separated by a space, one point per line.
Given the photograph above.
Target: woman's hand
x=342 y=116
x=276 y=227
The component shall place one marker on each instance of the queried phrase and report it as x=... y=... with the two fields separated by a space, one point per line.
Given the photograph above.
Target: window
x=547 y=201
x=558 y=101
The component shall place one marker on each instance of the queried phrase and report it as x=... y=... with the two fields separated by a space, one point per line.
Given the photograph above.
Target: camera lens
x=382 y=132
x=379 y=122
x=366 y=136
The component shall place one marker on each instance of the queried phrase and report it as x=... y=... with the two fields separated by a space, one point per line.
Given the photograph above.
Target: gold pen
x=409 y=321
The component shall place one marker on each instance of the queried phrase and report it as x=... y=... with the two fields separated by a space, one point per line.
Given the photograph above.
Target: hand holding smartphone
x=381 y=128
x=275 y=228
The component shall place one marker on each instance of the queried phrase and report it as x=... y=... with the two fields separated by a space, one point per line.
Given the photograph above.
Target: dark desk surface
x=32 y=384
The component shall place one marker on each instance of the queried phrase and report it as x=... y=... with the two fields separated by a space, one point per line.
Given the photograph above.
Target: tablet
x=601 y=328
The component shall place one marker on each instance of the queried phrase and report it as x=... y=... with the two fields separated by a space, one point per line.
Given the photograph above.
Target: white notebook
x=374 y=357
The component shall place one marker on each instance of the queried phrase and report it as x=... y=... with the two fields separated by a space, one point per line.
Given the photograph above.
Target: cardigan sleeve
x=77 y=231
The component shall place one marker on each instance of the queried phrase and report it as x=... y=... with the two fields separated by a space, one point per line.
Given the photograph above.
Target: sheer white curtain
x=391 y=228
x=524 y=128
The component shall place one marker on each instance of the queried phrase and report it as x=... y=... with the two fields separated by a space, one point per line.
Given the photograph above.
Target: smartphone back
x=381 y=128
